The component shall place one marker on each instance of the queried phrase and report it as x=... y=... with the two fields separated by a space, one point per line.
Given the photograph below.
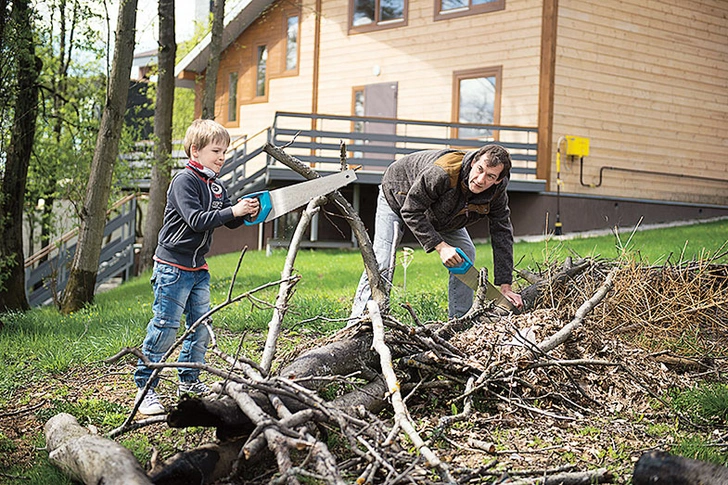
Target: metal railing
x=46 y=272
x=375 y=142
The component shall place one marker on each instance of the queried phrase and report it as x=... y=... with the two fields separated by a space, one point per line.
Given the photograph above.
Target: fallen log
x=657 y=467
x=205 y=464
x=89 y=458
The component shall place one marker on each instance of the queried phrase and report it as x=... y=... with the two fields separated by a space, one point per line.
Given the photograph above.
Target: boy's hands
x=250 y=206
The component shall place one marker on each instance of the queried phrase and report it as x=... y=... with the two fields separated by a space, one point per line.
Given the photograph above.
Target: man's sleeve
x=501 y=238
x=425 y=191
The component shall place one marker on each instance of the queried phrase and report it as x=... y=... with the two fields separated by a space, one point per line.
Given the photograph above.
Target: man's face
x=483 y=177
x=212 y=156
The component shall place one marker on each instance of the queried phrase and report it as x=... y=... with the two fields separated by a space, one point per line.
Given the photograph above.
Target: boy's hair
x=496 y=155
x=203 y=132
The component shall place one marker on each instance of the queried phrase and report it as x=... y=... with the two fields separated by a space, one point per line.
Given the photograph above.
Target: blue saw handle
x=463 y=267
x=265 y=206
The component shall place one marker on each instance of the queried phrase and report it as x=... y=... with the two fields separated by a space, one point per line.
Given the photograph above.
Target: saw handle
x=463 y=267
x=265 y=206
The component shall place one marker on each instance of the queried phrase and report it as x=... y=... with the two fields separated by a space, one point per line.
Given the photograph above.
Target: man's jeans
x=460 y=295
x=176 y=291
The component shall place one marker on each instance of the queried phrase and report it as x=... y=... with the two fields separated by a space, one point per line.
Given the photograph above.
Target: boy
x=196 y=204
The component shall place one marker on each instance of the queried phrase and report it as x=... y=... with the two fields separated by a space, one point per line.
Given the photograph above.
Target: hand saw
x=275 y=203
x=466 y=273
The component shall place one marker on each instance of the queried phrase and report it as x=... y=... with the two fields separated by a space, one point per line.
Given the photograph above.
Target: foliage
x=705 y=405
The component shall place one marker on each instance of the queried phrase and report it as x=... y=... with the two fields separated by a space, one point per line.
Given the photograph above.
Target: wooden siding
x=423 y=56
x=647 y=82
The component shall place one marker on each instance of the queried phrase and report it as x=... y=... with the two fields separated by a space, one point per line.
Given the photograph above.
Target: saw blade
x=292 y=197
x=467 y=273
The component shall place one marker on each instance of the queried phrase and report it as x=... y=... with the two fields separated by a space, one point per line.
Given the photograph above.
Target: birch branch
x=400 y=411
x=286 y=288
x=562 y=335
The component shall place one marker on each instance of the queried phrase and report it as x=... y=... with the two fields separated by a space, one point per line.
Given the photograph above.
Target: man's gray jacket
x=429 y=190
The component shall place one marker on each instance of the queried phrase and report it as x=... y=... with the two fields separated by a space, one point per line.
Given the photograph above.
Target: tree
x=17 y=158
x=213 y=62
x=82 y=278
x=163 y=110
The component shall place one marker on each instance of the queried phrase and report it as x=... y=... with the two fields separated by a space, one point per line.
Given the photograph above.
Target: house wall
x=423 y=55
x=509 y=39
x=647 y=83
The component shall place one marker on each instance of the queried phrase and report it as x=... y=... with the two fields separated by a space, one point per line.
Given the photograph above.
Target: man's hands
x=514 y=297
x=448 y=254
x=248 y=206
x=450 y=257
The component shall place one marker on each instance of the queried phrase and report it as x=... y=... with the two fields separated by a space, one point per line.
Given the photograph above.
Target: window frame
x=377 y=24
x=493 y=71
x=471 y=9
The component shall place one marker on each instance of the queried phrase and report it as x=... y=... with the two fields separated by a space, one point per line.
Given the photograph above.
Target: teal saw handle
x=265 y=206
x=463 y=267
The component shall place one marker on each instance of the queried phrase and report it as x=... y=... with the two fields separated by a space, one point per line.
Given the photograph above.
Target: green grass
x=43 y=341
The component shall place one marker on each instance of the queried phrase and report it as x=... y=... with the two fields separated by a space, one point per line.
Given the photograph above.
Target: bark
x=89 y=458
x=82 y=278
x=562 y=335
x=213 y=62
x=12 y=283
x=286 y=288
x=205 y=464
x=222 y=414
x=601 y=475
x=532 y=293
x=163 y=109
x=401 y=415
x=376 y=282
x=657 y=467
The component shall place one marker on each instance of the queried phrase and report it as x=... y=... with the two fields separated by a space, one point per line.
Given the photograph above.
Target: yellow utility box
x=577 y=146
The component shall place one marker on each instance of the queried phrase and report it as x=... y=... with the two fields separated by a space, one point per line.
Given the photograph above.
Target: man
x=437 y=194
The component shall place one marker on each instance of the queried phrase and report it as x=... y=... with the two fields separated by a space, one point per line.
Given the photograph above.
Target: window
x=366 y=15
x=233 y=96
x=292 y=44
x=261 y=63
x=447 y=9
x=477 y=100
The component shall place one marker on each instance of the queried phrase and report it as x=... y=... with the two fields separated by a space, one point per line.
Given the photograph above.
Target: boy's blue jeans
x=176 y=291
x=460 y=296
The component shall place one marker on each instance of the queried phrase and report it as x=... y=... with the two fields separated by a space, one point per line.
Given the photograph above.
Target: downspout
x=316 y=55
x=549 y=24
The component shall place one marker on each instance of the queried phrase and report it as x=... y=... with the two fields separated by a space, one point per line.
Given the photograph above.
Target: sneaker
x=194 y=387
x=150 y=404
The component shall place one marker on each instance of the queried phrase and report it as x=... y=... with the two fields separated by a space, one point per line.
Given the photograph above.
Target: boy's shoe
x=194 y=387
x=150 y=404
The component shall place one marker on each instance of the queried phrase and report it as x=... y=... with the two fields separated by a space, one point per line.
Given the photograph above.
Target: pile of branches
x=275 y=427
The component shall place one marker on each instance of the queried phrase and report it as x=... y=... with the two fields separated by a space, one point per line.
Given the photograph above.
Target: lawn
x=45 y=355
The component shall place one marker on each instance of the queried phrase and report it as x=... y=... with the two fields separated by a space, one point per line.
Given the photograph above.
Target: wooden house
x=622 y=106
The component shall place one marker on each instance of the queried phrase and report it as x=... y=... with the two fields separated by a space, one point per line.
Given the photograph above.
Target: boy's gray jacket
x=196 y=205
x=429 y=190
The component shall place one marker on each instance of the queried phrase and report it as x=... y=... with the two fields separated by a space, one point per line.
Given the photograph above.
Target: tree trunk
x=657 y=467
x=213 y=62
x=161 y=171
x=82 y=278
x=12 y=284
x=90 y=458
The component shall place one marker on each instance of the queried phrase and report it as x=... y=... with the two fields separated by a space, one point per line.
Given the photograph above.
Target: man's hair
x=495 y=155
x=203 y=132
